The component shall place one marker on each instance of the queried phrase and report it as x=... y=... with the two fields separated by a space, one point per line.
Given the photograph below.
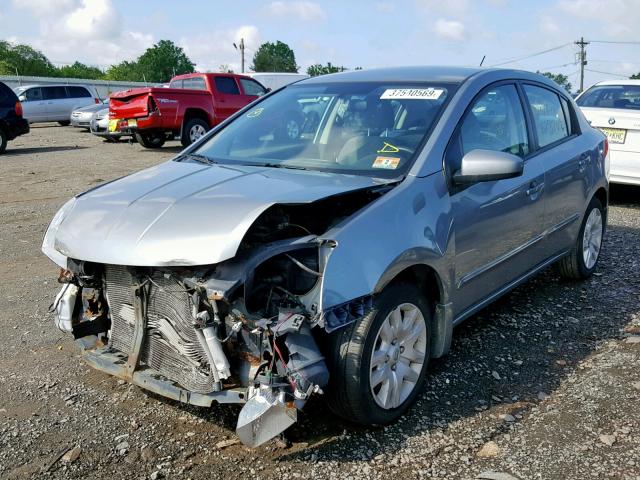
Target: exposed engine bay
x=245 y=330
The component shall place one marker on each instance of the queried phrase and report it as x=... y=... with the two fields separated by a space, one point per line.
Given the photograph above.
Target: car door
x=34 y=107
x=497 y=224
x=228 y=99
x=56 y=99
x=566 y=158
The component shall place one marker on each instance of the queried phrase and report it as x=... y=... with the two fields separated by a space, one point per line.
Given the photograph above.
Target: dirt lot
x=543 y=385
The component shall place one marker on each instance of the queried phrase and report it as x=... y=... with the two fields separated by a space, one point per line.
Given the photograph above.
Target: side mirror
x=488 y=165
x=269 y=89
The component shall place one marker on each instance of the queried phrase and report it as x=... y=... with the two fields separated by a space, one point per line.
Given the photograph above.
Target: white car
x=614 y=107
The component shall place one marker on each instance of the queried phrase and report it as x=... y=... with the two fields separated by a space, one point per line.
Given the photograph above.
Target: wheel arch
x=430 y=282
x=190 y=113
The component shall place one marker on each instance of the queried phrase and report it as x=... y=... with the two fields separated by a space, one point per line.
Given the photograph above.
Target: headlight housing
x=48 y=243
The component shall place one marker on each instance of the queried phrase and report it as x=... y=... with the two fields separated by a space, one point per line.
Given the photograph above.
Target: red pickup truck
x=191 y=105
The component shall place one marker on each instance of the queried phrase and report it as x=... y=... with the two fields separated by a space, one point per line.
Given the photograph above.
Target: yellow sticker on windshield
x=255 y=113
x=388 y=148
x=390 y=163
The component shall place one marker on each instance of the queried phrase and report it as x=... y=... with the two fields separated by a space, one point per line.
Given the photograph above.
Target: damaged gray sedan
x=327 y=239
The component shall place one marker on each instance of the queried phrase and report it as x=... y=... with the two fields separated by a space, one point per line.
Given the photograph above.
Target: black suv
x=11 y=122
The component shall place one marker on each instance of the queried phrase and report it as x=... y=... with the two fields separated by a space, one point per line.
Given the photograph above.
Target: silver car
x=100 y=126
x=81 y=117
x=54 y=103
x=297 y=251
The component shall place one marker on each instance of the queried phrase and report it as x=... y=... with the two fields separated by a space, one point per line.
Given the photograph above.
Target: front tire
x=3 y=141
x=583 y=258
x=64 y=123
x=150 y=140
x=193 y=130
x=379 y=363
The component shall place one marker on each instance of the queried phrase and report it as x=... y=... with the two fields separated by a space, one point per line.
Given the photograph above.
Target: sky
x=352 y=33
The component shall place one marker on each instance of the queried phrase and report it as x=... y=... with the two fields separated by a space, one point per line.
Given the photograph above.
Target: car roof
x=619 y=82
x=207 y=74
x=24 y=87
x=441 y=74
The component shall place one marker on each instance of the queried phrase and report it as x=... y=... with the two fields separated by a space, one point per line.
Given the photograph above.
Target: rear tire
x=3 y=141
x=64 y=123
x=374 y=380
x=193 y=130
x=151 y=140
x=583 y=258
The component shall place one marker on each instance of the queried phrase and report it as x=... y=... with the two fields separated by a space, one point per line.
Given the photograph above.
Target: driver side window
x=494 y=122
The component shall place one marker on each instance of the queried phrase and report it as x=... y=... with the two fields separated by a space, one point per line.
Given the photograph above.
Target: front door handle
x=534 y=189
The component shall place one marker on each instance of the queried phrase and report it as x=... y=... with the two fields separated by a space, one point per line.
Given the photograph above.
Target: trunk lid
x=622 y=127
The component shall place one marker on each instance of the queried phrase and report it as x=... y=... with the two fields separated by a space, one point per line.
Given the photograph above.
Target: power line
x=558 y=66
x=607 y=73
x=517 y=59
x=616 y=42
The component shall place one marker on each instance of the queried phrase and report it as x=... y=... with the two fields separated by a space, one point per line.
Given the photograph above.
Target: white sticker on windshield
x=412 y=93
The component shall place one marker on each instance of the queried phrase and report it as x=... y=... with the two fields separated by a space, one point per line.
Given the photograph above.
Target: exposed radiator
x=170 y=344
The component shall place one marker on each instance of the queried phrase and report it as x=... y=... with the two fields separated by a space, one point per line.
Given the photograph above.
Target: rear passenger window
x=78 y=92
x=54 y=93
x=227 y=85
x=196 y=83
x=549 y=117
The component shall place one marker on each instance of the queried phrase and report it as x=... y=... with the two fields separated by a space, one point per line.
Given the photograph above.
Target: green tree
x=274 y=57
x=24 y=60
x=559 y=78
x=318 y=69
x=80 y=70
x=635 y=76
x=163 y=61
x=124 y=71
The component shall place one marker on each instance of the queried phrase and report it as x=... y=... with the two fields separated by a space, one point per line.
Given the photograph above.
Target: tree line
x=158 y=64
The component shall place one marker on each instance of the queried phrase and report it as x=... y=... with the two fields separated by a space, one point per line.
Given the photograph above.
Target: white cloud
x=86 y=30
x=617 y=18
x=94 y=18
x=385 y=7
x=451 y=8
x=210 y=50
x=452 y=30
x=302 y=10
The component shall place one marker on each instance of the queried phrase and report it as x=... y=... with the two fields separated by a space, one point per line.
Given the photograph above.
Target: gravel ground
x=544 y=384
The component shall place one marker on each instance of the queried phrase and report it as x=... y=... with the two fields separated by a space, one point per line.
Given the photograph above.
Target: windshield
x=358 y=128
x=611 y=96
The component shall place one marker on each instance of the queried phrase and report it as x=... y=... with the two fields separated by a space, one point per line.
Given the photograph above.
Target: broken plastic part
x=264 y=416
x=65 y=304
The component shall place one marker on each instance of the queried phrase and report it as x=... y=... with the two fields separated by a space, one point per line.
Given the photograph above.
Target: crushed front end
x=206 y=334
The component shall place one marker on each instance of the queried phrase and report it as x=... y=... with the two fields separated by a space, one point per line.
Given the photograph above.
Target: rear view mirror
x=488 y=165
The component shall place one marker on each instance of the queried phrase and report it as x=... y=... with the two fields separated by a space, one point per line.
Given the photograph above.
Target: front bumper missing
x=114 y=363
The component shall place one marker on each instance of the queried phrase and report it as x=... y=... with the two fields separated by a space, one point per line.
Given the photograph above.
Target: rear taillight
x=606 y=148
x=152 y=107
x=18 y=109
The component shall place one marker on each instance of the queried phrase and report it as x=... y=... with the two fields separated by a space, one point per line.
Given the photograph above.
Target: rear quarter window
x=611 y=96
x=78 y=92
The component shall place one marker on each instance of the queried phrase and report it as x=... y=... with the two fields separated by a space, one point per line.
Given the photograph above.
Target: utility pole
x=583 y=61
x=241 y=48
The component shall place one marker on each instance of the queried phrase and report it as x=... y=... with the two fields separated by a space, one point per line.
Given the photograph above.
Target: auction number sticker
x=412 y=94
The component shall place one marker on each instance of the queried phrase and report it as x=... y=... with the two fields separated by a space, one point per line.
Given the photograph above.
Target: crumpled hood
x=182 y=213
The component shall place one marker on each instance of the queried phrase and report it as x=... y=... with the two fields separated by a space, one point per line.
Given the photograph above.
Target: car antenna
x=482 y=61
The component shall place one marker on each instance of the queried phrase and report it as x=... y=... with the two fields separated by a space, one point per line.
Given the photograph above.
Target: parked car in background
x=54 y=103
x=265 y=264
x=100 y=126
x=12 y=123
x=275 y=80
x=614 y=107
x=192 y=105
x=81 y=117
